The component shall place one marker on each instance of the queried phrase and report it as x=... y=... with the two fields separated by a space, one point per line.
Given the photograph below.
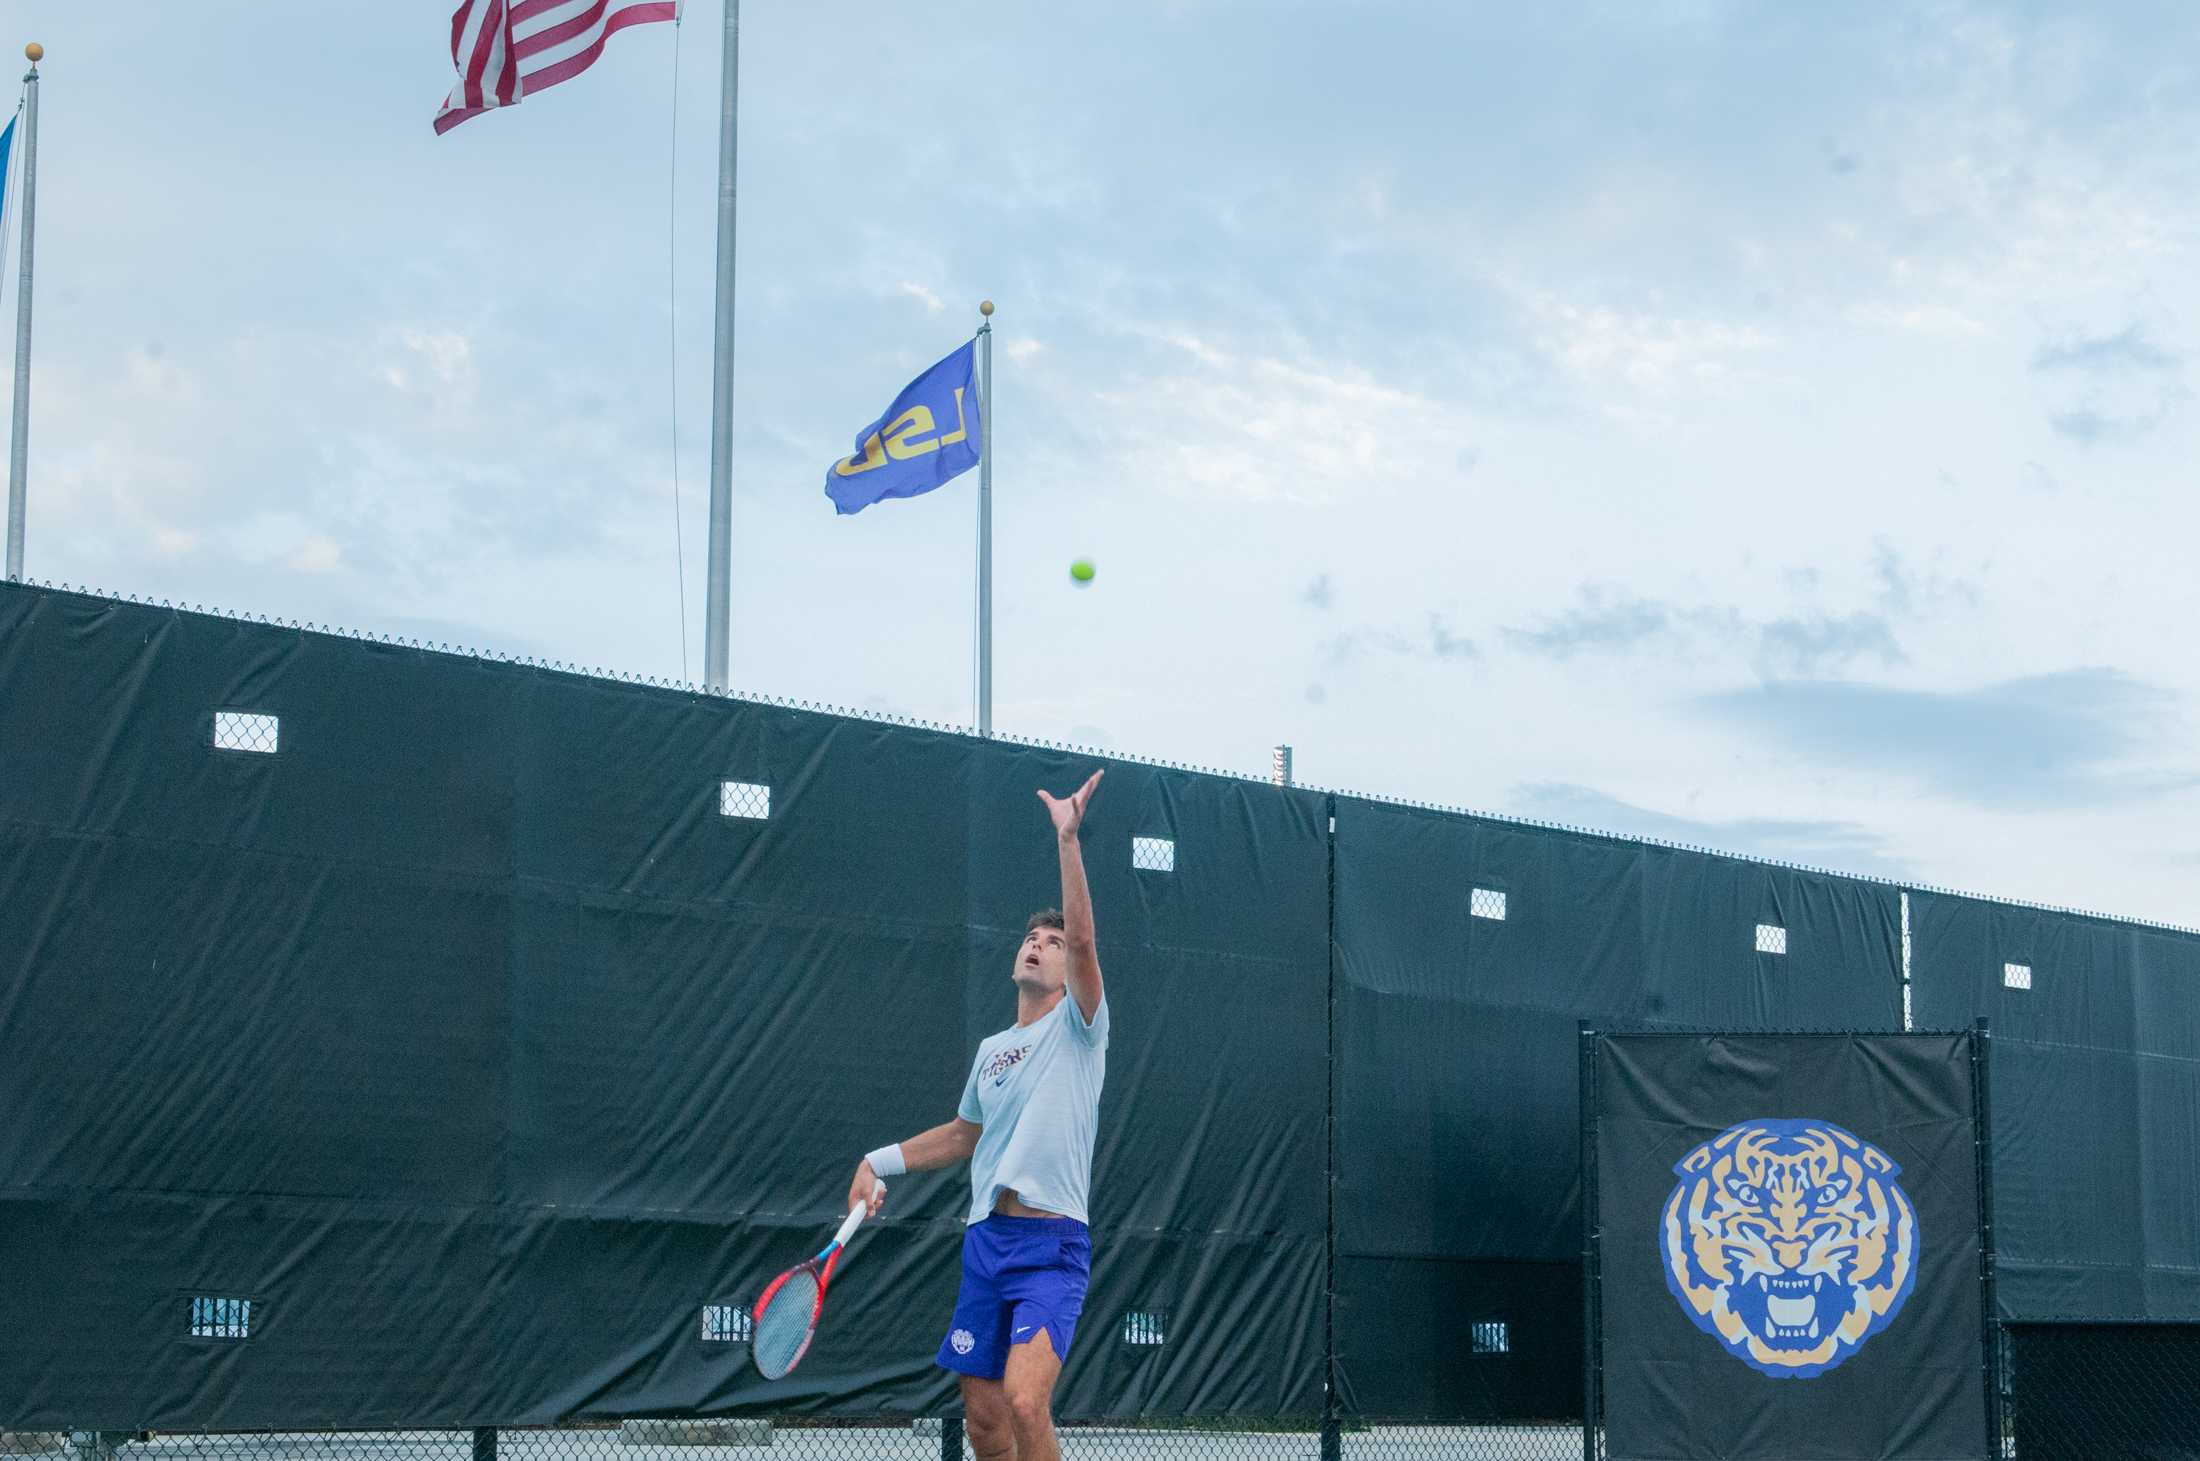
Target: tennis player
x=1025 y=1126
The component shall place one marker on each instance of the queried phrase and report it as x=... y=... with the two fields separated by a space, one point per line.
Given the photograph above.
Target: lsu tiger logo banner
x=1787 y=1250
x=1789 y=1242
x=929 y=436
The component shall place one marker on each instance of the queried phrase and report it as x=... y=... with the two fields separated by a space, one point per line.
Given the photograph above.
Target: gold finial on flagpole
x=35 y=52
x=985 y=307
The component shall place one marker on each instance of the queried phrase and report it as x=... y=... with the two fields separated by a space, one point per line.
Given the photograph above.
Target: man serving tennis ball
x=1025 y=1126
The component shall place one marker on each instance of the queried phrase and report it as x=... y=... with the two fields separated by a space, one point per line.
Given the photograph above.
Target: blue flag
x=7 y=153
x=929 y=435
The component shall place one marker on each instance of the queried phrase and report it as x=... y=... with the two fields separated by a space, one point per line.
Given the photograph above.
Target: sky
x=1765 y=427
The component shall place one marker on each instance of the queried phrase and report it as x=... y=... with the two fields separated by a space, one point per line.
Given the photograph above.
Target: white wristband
x=887 y=1161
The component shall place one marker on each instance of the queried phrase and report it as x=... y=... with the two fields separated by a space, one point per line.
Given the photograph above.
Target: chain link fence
x=881 y=1438
x=2104 y=1392
x=2101 y=1392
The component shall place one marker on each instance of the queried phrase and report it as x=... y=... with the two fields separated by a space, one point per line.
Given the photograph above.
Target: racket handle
x=848 y=1227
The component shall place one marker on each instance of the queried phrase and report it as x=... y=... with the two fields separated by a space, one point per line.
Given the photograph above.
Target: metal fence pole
x=485 y=1443
x=1982 y=1143
x=951 y=1438
x=1591 y=1352
x=1332 y=1430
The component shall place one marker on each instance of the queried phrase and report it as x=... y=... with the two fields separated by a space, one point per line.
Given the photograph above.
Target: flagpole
x=20 y=438
x=718 y=599
x=985 y=527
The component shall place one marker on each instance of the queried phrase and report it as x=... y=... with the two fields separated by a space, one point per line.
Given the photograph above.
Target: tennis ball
x=1081 y=570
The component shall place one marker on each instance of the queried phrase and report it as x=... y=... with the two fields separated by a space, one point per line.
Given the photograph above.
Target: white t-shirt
x=1036 y=1090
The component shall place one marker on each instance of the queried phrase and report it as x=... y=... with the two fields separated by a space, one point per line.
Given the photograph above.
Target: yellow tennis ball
x=1081 y=570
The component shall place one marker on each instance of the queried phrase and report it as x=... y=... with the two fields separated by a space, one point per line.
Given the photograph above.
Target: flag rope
x=672 y=342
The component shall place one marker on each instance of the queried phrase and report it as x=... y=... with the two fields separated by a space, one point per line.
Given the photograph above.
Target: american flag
x=508 y=49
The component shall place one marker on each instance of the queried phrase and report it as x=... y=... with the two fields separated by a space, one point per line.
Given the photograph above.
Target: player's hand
x=867 y=1189
x=1069 y=813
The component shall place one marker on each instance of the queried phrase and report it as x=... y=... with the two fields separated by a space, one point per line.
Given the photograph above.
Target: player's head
x=1042 y=959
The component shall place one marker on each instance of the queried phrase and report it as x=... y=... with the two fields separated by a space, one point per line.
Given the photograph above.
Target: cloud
x=1904 y=592
x=317 y=554
x=1216 y=422
x=1845 y=846
x=1651 y=352
x=2126 y=385
x=2089 y=427
x=1438 y=643
x=2127 y=349
x=1353 y=643
x=1200 y=350
x=922 y=295
x=2073 y=737
x=1933 y=320
x=1810 y=645
x=1840 y=160
x=434 y=364
x=1604 y=620
x=155 y=378
x=1897 y=585
x=1319 y=594
x=1446 y=645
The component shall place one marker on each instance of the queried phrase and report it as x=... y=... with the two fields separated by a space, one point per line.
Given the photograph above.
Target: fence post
x=951 y=1438
x=1982 y=1142
x=1332 y=1430
x=485 y=1443
x=1591 y=1351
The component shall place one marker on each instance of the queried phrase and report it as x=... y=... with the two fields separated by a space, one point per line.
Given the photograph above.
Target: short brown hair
x=1045 y=918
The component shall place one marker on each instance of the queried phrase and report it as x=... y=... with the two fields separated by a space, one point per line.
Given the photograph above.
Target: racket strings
x=783 y=1330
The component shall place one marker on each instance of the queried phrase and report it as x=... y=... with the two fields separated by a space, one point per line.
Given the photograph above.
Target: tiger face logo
x=1789 y=1242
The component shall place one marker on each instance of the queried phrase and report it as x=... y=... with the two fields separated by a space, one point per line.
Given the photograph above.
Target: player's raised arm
x=1077 y=931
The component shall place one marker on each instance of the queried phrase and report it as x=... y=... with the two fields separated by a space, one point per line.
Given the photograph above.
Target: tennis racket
x=786 y=1313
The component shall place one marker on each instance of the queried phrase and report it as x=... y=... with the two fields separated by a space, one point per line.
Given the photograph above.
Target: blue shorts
x=1020 y=1275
